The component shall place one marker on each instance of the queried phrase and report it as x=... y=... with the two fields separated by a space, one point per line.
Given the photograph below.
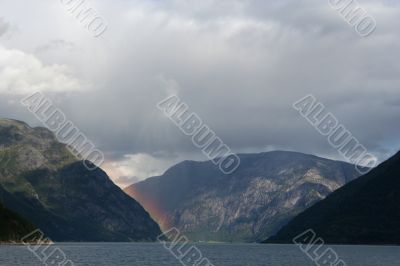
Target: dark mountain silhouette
x=365 y=211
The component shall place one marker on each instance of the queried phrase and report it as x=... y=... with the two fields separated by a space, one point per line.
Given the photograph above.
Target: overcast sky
x=239 y=65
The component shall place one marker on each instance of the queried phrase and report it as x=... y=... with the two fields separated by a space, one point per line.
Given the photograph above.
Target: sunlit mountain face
x=43 y=182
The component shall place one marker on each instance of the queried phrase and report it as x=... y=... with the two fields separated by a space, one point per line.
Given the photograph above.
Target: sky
x=239 y=65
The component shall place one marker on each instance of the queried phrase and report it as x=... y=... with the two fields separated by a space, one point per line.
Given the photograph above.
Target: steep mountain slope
x=43 y=182
x=365 y=211
x=264 y=193
x=13 y=227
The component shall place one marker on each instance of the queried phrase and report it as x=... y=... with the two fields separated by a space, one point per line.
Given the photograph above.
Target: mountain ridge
x=199 y=200
x=43 y=182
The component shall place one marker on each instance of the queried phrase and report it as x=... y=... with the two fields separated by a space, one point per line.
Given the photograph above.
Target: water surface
x=150 y=254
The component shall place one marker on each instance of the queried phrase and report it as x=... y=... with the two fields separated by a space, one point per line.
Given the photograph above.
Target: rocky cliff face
x=262 y=195
x=43 y=182
x=364 y=212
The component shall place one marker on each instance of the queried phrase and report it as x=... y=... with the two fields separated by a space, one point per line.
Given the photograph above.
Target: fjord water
x=148 y=254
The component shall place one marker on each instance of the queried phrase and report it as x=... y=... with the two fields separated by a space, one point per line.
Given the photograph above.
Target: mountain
x=365 y=211
x=251 y=204
x=43 y=182
x=13 y=227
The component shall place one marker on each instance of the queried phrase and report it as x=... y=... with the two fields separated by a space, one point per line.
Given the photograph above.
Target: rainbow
x=152 y=207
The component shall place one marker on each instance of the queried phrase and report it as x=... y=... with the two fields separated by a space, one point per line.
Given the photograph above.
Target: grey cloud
x=4 y=26
x=125 y=181
x=55 y=45
x=239 y=65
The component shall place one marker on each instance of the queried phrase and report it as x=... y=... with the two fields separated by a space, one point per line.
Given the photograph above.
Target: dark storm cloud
x=240 y=65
